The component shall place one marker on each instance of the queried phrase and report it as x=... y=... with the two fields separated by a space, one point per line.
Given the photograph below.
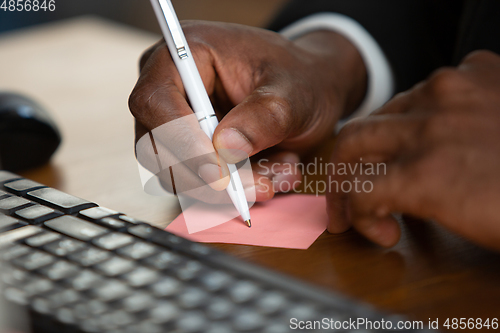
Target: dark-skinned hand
x=441 y=144
x=269 y=92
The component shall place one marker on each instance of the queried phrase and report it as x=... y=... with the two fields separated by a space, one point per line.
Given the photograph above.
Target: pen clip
x=174 y=30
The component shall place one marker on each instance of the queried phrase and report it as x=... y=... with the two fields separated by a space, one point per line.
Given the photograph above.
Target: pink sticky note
x=292 y=221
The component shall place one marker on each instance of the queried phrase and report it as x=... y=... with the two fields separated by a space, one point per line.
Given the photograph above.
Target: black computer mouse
x=28 y=136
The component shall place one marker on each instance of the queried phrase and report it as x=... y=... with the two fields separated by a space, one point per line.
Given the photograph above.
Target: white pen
x=195 y=90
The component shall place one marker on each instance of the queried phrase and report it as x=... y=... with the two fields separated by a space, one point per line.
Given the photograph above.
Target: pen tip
x=249 y=223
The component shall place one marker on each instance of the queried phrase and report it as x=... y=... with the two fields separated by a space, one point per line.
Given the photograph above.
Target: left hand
x=441 y=144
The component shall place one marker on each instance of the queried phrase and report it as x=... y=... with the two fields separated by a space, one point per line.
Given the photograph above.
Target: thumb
x=262 y=120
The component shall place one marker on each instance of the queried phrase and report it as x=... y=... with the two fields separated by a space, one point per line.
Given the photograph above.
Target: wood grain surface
x=83 y=70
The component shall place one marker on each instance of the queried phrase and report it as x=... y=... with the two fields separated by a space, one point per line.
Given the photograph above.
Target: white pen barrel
x=191 y=79
x=208 y=125
x=235 y=187
x=195 y=90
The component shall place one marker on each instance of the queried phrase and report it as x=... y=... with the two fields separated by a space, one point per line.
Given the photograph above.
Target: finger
x=282 y=169
x=400 y=103
x=147 y=54
x=382 y=135
x=178 y=174
x=337 y=203
x=379 y=138
x=382 y=231
x=159 y=103
x=262 y=120
x=405 y=189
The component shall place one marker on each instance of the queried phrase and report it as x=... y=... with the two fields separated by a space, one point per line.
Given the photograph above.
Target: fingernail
x=233 y=146
x=213 y=175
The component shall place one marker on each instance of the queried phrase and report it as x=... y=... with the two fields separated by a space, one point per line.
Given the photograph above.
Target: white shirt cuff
x=380 y=79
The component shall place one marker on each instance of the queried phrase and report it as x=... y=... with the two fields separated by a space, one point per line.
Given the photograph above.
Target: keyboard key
x=97 y=213
x=41 y=305
x=76 y=228
x=86 y=280
x=63 y=297
x=10 y=204
x=65 y=316
x=111 y=290
x=219 y=308
x=191 y=322
x=42 y=239
x=277 y=327
x=37 y=214
x=15 y=251
x=22 y=186
x=7 y=237
x=60 y=200
x=164 y=312
x=16 y=295
x=13 y=226
x=6 y=176
x=115 y=266
x=166 y=287
x=244 y=291
x=129 y=219
x=91 y=325
x=138 y=250
x=189 y=270
x=34 y=261
x=216 y=280
x=8 y=223
x=113 y=241
x=248 y=320
x=139 y=301
x=164 y=260
x=60 y=270
x=4 y=194
x=143 y=231
x=15 y=277
x=145 y=327
x=219 y=328
x=272 y=302
x=38 y=287
x=118 y=318
x=193 y=297
x=89 y=256
x=64 y=247
x=302 y=311
x=89 y=309
x=141 y=277
x=200 y=249
x=113 y=223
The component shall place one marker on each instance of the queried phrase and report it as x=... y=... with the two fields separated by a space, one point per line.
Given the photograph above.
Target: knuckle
x=347 y=137
x=141 y=99
x=446 y=82
x=480 y=56
x=137 y=99
x=350 y=128
x=279 y=111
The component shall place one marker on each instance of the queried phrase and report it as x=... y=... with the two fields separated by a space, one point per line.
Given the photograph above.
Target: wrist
x=339 y=66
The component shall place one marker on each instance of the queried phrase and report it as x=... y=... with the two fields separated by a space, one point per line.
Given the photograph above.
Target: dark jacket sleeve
x=417 y=36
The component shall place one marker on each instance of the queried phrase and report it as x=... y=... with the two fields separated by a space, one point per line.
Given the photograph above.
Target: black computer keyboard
x=79 y=267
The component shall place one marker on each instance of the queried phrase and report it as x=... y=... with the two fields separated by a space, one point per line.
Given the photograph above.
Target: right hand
x=267 y=91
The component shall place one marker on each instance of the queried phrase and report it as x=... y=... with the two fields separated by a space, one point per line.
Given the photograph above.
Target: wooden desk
x=83 y=70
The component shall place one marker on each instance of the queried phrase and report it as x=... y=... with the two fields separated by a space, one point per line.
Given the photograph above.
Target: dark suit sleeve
x=417 y=36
